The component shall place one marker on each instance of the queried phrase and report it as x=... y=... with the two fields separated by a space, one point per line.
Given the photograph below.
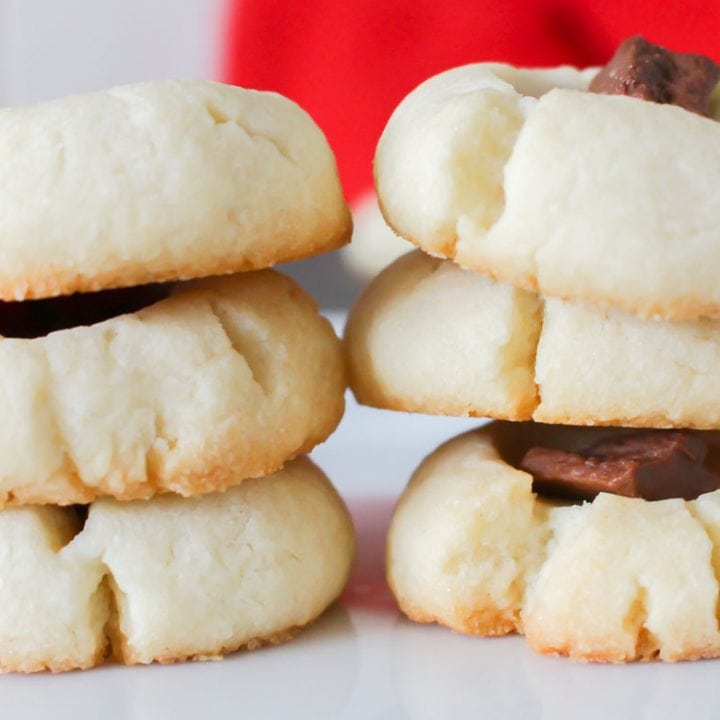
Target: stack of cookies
x=156 y=504
x=570 y=225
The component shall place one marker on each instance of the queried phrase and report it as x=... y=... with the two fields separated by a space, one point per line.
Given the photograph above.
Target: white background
x=50 y=48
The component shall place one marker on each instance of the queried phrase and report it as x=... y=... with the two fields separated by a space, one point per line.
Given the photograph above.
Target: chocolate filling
x=36 y=318
x=650 y=72
x=654 y=465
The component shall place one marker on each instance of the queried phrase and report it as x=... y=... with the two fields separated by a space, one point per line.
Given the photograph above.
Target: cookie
x=612 y=580
x=525 y=176
x=228 y=378
x=161 y=181
x=427 y=336
x=171 y=578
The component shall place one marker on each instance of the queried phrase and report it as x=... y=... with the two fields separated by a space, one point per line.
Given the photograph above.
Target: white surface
x=373 y=666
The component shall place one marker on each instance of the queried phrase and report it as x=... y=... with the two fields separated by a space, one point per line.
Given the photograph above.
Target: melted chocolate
x=654 y=465
x=649 y=72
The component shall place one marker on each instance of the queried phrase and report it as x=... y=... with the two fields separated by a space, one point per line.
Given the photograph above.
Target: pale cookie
x=429 y=337
x=524 y=176
x=618 y=579
x=171 y=578
x=228 y=378
x=157 y=181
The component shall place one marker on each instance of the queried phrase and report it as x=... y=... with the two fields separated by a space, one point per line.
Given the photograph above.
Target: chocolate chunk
x=649 y=72
x=654 y=465
x=35 y=318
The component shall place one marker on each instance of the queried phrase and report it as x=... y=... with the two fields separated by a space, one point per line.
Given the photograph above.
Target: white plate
x=362 y=660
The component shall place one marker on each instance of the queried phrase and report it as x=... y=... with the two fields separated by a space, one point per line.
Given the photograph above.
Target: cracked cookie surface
x=525 y=176
x=161 y=181
x=614 y=580
x=228 y=378
x=171 y=579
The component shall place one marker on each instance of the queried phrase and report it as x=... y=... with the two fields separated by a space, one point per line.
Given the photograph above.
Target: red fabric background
x=348 y=63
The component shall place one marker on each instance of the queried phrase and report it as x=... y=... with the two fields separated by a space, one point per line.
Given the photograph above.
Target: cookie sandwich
x=558 y=222
x=160 y=383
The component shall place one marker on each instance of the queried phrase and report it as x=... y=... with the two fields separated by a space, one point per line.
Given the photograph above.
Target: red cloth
x=349 y=63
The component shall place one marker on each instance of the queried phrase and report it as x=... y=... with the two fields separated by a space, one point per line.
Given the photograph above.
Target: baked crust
x=171 y=579
x=616 y=580
x=227 y=379
x=161 y=181
x=427 y=336
x=575 y=195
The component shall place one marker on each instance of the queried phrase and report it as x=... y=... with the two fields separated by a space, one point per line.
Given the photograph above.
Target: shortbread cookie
x=228 y=378
x=171 y=578
x=54 y=608
x=617 y=579
x=430 y=337
x=525 y=176
x=158 y=181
